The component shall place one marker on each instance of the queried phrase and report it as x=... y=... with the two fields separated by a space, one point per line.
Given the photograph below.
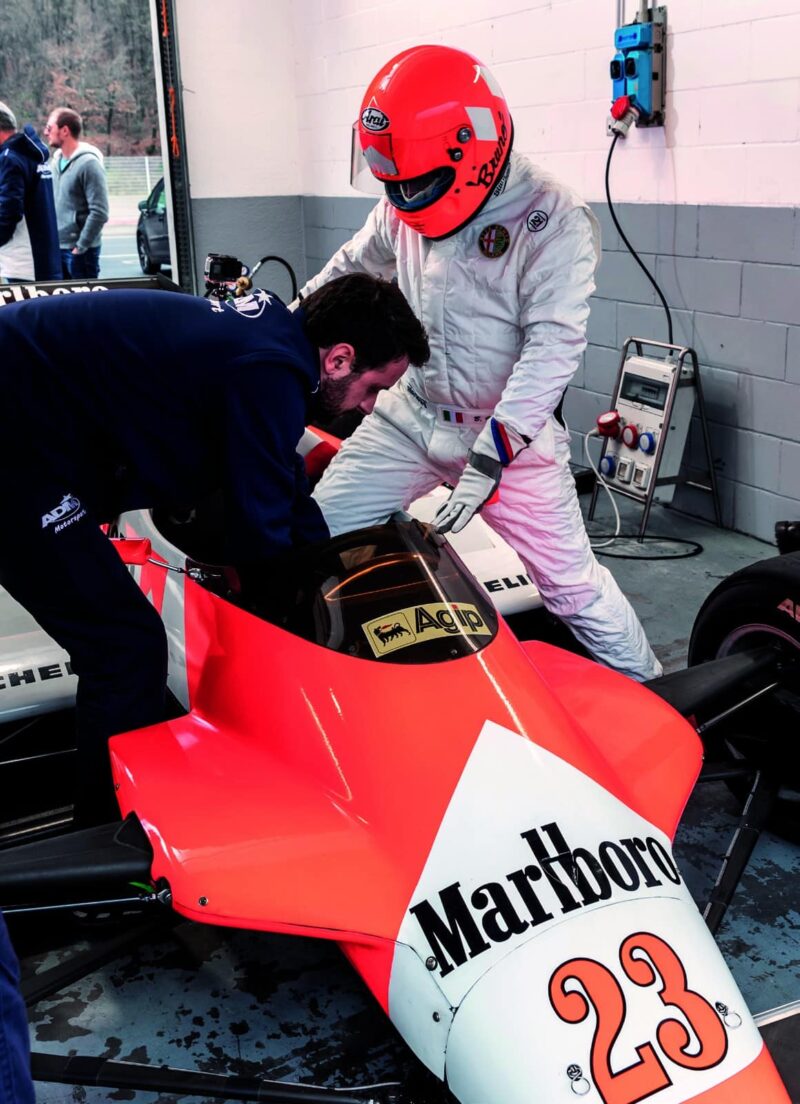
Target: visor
x=361 y=176
x=420 y=191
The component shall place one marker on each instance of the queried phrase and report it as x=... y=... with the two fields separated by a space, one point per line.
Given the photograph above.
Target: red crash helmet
x=435 y=129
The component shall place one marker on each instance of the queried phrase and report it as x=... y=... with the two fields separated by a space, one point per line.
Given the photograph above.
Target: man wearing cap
x=28 y=231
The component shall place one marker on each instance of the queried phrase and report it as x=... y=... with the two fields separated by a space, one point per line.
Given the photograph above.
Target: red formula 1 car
x=389 y=767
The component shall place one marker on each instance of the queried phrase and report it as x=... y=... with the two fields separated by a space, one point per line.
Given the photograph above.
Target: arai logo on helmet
x=372 y=118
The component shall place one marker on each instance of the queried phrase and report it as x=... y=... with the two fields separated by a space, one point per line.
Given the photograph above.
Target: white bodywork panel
x=494 y=563
x=35 y=676
x=517 y=886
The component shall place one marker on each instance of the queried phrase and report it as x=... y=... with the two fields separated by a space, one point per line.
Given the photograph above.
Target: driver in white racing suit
x=497 y=260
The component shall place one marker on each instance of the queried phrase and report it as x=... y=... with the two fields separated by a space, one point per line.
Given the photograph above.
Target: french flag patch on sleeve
x=505 y=453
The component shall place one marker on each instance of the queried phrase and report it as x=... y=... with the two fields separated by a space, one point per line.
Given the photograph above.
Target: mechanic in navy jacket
x=116 y=400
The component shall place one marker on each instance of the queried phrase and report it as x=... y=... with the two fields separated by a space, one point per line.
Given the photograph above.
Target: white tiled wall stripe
x=270 y=92
x=733 y=80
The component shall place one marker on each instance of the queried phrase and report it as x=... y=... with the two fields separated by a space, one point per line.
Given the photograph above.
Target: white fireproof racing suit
x=504 y=302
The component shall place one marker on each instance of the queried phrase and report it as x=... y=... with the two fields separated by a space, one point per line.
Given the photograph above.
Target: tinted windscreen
x=390 y=593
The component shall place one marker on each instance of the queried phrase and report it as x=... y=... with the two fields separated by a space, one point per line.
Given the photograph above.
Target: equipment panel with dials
x=646 y=448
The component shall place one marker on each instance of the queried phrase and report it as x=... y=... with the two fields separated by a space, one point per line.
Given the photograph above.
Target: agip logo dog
x=417 y=624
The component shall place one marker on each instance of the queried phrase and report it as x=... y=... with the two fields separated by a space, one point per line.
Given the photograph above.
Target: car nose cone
x=631 y=1002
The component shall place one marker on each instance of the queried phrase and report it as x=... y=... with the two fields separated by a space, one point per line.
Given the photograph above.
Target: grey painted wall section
x=251 y=228
x=731 y=276
x=330 y=222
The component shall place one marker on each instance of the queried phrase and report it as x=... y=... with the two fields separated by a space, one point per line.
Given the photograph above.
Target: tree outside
x=96 y=57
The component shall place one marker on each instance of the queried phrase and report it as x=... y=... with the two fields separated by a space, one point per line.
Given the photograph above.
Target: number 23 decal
x=646 y=960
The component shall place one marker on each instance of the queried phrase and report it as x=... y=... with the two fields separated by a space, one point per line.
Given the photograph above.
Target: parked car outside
x=152 y=234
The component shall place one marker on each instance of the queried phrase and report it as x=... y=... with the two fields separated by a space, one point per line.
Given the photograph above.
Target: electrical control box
x=655 y=402
x=638 y=67
x=644 y=434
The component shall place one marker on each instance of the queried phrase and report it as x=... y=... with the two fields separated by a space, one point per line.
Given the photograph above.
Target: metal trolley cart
x=645 y=432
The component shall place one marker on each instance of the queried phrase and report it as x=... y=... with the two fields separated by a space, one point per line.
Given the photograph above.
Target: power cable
x=606 y=488
x=694 y=548
x=630 y=248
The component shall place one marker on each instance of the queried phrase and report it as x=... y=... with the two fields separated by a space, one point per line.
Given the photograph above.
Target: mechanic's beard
x=330 y=399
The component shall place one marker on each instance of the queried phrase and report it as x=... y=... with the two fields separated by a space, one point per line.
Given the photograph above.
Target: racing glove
x=495 y=447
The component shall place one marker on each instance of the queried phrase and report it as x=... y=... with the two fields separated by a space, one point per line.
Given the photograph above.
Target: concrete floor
x=667 y=594
x=238 y=1002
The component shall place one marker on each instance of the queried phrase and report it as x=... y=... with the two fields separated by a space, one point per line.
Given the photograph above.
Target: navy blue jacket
x=150 y=398
x=26 y=192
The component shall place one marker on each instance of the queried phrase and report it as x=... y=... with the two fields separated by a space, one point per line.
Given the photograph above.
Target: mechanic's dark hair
x=370 y=314
x=67 y=117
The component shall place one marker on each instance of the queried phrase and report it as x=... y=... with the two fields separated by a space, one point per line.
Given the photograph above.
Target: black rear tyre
x=759 y=605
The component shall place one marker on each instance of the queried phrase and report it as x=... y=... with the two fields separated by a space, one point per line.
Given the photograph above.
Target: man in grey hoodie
x=81 y=194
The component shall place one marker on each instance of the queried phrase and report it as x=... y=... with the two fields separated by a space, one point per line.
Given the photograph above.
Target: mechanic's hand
x=476 y=485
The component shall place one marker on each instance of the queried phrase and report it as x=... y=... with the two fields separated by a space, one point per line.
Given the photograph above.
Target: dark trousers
x=16 y=1086
x=57 y=563
x=81 y=266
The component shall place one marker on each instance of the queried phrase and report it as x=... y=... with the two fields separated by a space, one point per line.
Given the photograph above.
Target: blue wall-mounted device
x=638 y=69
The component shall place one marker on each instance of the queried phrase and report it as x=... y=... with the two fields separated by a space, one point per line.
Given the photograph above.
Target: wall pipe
x=644 y=12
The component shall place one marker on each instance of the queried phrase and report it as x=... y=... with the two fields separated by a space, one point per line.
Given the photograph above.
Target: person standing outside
x=29 y=247
x=497 y=258
x=81 y=195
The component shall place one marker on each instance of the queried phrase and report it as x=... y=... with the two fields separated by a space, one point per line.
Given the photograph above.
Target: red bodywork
x=285 y=797
x=304 y=789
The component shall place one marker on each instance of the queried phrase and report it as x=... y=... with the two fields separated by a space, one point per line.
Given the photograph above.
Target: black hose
x=694 y=547
x=285 y=264
x=631 y=250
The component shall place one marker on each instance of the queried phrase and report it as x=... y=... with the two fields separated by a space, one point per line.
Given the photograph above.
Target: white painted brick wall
x=238 y=96
x=733 y=82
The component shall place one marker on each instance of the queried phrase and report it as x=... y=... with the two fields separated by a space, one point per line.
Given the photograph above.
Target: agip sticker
x=417 y=624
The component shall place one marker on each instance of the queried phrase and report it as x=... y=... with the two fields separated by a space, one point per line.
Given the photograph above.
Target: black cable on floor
x=694 y=547
x=631 y=250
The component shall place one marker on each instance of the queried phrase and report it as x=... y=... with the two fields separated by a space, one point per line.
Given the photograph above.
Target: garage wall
x=710 y=201
x=733 y=80
x=238 y=69
x=271 y=90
